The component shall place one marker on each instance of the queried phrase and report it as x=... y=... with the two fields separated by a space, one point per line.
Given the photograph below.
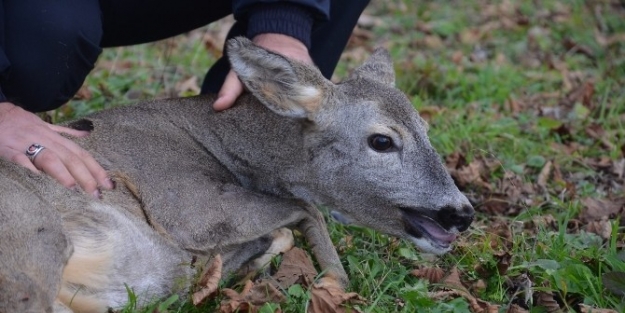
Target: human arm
x=283 y=27
x=62 y=159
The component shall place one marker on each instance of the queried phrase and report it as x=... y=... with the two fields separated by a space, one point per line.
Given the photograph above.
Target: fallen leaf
x=606 y=41
x=187 y=87
x=503 y=262
x=209 y=282
x=433 y=42
x=455 y=161
x=602 y=228
x=84 y=93
x=574 y=47
x=251 y=297
x=327 y=296
x=522 y=287
x=546 y=300
x=452 y=280
x=597 y=132
x=582 y=94
x=618 y=168
x=516 y=309
x=476 y=305
x=369 y=21
x=479 y=285
x=431 y=274
x=543 y=176
x=588 y=309
x=599 y=209
x=296 y=267
x=455 y=288
x=471 y=174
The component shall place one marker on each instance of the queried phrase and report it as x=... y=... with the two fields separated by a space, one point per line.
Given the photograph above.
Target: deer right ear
x=378 y=67
x=284 y=86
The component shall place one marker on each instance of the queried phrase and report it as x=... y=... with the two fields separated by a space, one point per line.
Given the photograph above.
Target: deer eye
x=380 y=143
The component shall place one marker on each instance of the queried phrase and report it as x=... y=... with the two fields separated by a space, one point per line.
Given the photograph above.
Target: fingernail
x=110 y=184
x=96 y=194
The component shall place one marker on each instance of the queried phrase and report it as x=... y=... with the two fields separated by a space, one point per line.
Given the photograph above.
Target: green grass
x=472 y=114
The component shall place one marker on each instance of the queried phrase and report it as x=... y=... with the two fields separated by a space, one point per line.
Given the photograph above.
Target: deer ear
x=378 y=67
x=284 y=86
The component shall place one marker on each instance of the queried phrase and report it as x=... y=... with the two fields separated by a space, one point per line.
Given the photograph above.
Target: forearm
x=291 y=18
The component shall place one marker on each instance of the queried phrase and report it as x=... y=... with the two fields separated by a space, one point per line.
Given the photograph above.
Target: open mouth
x=419 y=226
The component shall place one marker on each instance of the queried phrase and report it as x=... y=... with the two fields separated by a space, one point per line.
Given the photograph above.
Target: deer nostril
x=450 y=217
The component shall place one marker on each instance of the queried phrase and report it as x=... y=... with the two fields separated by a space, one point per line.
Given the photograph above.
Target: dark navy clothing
x=47 y=47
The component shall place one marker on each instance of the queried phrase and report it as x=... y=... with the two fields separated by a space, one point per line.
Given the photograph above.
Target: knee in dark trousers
x=51 y=49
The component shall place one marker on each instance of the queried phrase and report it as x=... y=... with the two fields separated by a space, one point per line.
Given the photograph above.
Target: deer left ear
x=286 y=87
x=378 y=67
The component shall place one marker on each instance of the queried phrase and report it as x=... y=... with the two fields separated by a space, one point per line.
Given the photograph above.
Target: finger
x=19 y=158
x=73 y=154
x=96 y=171
x=230 y=91
x=69 y=131
x=49 y=163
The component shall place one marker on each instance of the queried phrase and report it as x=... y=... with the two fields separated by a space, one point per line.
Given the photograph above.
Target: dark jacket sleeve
x=295 y=18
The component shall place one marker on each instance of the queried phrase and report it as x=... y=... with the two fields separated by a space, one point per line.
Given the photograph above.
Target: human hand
x=62 y=159
x=278 y=43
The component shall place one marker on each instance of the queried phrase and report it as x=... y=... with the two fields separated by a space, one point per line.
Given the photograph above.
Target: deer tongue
x=433 y=229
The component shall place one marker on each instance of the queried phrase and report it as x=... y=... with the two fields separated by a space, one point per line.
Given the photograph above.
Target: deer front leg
x=314 y=228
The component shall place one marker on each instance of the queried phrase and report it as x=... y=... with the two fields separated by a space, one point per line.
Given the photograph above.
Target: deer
x=192 y=183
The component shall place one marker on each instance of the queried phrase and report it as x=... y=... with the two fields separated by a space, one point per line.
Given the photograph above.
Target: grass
x=489 y=75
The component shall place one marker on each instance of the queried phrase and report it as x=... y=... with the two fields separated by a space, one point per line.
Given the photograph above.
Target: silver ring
x=33 y=150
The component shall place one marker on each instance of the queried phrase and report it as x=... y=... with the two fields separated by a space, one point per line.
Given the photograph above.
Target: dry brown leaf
x=479 y=285
x=546 y=300
x=431 y=274
x=296 y=267
x=618 y=168
x=327 y=296
x=209 y=281
x=602 y=228
x=429 y=111
x=516 y=309
x=588 y=309
x=499 y=204
x=457 y=57
x=369 y=21
x=597 y=132
x=433 y=42
x=583 y=93
x=83 y=93
x=476 y=305
x=503 y=262
x=453 y=282
x=455 y=161
x=189 y=85
x=600 y=209
x=251 y=297
x=543 y=176
x=471 y=174
x=609 y=40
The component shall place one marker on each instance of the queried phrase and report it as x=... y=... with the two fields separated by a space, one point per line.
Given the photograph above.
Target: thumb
x=230 y=91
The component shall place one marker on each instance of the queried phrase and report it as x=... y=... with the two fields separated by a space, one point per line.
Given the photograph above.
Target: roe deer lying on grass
x=197 y=183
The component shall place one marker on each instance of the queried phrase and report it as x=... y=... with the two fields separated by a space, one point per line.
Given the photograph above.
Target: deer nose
x=450 y=217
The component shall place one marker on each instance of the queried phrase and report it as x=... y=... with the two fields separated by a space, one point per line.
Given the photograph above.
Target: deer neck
x=263 y=150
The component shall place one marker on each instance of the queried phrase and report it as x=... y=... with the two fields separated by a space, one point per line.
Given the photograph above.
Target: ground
x=526 y=105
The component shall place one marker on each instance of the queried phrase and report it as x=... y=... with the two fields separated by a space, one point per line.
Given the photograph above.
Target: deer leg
x=316 y=233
